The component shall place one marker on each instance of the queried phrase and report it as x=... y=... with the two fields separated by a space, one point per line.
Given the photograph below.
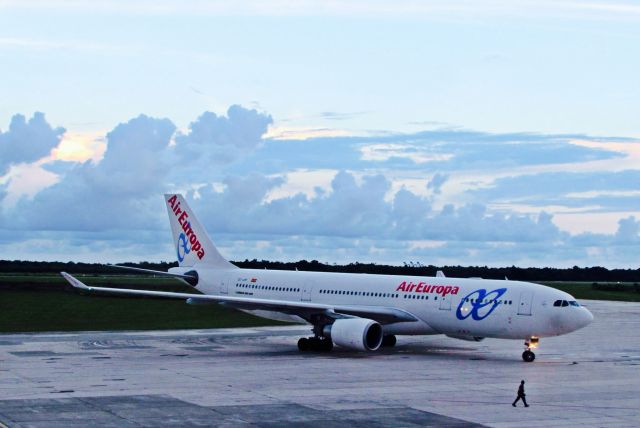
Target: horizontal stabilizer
x=191 y=277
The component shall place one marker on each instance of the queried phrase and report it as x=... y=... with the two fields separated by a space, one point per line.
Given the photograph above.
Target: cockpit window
x=565 y=303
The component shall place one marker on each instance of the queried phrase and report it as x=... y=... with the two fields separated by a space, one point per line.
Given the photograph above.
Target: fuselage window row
x=266 y=287
x=359 y=293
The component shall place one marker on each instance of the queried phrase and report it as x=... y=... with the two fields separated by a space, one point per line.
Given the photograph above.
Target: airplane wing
x=383 y=315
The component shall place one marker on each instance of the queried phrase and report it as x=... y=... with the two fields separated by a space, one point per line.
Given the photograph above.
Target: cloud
x=113 y=193
x=334 y=115
x=247 y=190
x=359 y=209
x=27 y=141
x=436 y=182
x=628 y=231
x=599 y=190
x=219 y=139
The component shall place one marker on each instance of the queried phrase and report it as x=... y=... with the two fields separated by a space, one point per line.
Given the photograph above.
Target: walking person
x=521 y=395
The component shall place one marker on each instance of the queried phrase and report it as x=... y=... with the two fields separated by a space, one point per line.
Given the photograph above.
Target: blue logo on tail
x=184 y=245
x=482 y=304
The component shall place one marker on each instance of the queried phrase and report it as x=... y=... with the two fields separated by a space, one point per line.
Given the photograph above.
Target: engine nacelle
x=361 y=334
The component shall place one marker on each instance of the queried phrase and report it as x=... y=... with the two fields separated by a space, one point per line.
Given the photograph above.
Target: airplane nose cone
x=586 y=317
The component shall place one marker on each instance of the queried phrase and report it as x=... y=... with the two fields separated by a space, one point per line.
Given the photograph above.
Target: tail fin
x=193 y=245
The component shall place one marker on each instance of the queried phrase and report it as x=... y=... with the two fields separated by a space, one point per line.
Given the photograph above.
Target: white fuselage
x=458 y=307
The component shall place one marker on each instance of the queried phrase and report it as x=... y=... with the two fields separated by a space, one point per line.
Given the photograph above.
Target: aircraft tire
x=303 y=344
x=528 y=356
x=326 y=345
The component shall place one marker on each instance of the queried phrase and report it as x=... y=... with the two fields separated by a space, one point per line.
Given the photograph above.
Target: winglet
x=75 y=282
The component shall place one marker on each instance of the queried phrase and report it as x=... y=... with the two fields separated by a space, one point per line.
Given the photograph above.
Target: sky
x=461 y=132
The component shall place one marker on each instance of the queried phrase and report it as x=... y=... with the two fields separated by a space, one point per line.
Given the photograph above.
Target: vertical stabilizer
x=193 y=245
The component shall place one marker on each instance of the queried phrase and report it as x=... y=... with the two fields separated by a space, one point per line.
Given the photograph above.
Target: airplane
x=361 y=312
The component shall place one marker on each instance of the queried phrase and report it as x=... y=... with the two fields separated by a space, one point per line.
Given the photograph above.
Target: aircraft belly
x=409 y=328
x=276 y=316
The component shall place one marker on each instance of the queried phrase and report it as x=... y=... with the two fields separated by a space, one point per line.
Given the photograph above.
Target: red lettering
x=182 y=218
x=201 y=253
x=172 y=200
x=423 y=287
x=193 y=240
x=196 y=246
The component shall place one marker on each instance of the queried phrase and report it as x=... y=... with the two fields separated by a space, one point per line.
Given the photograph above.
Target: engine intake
x=361 y=334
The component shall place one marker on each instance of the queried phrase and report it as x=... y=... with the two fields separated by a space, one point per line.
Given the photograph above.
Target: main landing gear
x=529 y=344
x=318 y=344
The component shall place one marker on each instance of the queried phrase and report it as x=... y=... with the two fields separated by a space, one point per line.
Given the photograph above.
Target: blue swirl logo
x=184 y=245
x=482 y=304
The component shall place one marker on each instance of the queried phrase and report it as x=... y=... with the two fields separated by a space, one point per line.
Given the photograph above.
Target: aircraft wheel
x=326 y=345
x=528 y=356
x=389 y=340
x=303 y=344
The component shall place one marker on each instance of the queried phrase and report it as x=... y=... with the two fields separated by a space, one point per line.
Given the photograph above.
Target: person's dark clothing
x=521 y=396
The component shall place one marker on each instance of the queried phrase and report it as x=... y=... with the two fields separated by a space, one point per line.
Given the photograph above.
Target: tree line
x=575 y=273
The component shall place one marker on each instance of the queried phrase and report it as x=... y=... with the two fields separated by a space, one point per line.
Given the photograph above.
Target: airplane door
x=524 y=307
x=445 y=303
x=306 y=292
x=224 y=285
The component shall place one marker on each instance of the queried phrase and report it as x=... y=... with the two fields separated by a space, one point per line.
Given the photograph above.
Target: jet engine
x=361 y=334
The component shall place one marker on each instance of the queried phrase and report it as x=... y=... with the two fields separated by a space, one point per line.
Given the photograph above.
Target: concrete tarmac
x=257 y=377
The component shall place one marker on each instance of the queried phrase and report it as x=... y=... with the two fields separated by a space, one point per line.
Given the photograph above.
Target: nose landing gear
x=529 y=344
